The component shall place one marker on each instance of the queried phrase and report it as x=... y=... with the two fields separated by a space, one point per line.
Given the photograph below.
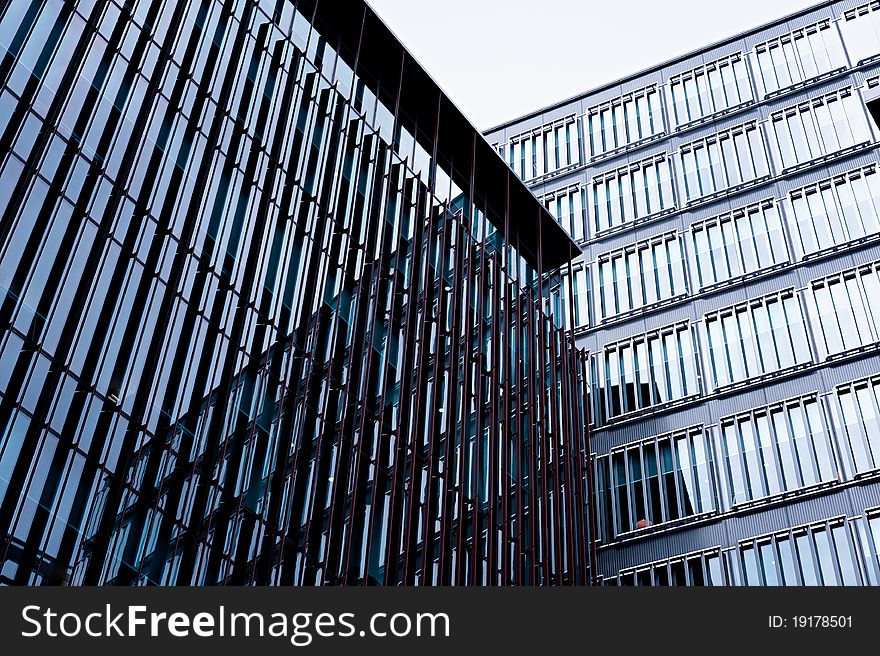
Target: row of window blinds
x=568 y=207
x=835 y=211
x=788 y=60
x=709 y=89
x=861 y=31
x=778 y=448
x=855 y=416
x=632 y=193
x=744 y=241
x=832 y=552
x=646 y=370
x=773 y=449
x=756 y=338
x=821 y=554
x=624 y=120
x=663 y=479
x=580 y=304
x=641 y=274
x=549 y=149
x=839 y=314
x=844 y=310
x=798 y=56
x=823 y=215
x=693 y=570
x=816 y=128
x=727 y=159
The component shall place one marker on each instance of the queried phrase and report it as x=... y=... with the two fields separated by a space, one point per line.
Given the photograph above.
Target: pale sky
x=499 y=59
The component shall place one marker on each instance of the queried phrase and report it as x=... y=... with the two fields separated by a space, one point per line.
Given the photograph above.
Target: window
x=625 y=120
x=861 y=32
x=870 y=540
x=580 y=303
x=632 y=193
x=724 y=160
x=774 y=449
x=744 y=241
x=821 y=554
x=756 y=338
x=835 y=211
x=844 y=310
x=871 y=96
x=698 y=569
x=567 y=206
x=545 y=150
x=709 y=89
x=660 y=480
x=817 y=128
x=640 y=275
x=801 y=55
x=856 y=419
x=650 y=369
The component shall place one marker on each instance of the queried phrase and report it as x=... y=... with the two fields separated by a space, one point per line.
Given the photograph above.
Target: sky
x=500 y=59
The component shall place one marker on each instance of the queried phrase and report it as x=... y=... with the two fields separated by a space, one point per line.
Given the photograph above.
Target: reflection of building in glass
x=728 y=207
x=273 y=312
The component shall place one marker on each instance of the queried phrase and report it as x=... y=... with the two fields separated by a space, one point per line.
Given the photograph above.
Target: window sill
x=837 y=154
x=623 y=227
x=728 y=191
x=544 y=177
x=850 y=352
x=788 y=495
x=753 y=380
x=660 y=407
x=710 y=118
x=620 y=150
x=663 y=527
x=797 y=86
x=644 y=309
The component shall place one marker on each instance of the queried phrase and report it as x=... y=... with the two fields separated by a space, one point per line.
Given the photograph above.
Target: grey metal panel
x=841 y=261
x=790 y=100
x=731 y=48
x=621 y=239
x=693 y=415
x=862 y=75
x=838 y=373
x=812 y=17
x=743 y=527
x=790 y=24
x=606 y=95
x=560 y=182
x=844 y=5
x=857 y=160
x=865 y=497
x=712 y=128
x=526 y=126
x=660 y=547
x=556 y=114
x=628 y=86
x=685 y=65
x=816 y=509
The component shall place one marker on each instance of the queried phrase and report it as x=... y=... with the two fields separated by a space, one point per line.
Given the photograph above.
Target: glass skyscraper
x=272 y=311
x=727 y=204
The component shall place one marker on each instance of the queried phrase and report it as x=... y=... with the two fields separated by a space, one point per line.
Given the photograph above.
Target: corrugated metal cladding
x=661 y=547
x=828 y=148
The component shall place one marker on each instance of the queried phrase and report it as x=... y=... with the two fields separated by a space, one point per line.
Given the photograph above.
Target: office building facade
x=727 y=204
x=272 y=312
